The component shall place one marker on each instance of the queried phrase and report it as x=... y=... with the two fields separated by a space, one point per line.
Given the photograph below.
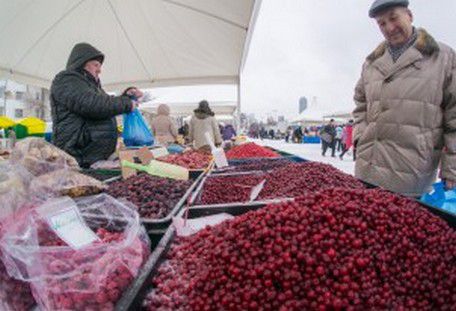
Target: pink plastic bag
x=88 y=277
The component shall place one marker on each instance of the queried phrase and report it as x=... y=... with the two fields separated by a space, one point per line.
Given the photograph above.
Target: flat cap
x=380 y=5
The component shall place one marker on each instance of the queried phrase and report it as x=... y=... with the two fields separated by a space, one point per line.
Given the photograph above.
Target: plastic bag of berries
x=76 y=254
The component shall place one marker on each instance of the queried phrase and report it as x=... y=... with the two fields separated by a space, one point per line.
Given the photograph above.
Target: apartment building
x=20 y=101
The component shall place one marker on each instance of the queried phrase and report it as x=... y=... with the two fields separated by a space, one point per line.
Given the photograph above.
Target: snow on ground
x=312 y=152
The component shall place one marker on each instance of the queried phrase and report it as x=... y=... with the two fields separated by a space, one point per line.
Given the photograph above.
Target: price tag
x=220 y=157
x=256 y=190
x=64 y=219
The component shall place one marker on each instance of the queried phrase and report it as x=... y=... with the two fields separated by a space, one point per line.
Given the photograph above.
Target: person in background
x=163 y=126
x=338 y=138
x=289 y=134
x=347 y=137
x=298 y=134
x=83 y=114
x=228 y=132
x=202 y=122
x=183 y=130
x=405 y=115
x=327 y=135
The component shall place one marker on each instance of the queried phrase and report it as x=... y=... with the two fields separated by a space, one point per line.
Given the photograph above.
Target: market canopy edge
x=157 y=43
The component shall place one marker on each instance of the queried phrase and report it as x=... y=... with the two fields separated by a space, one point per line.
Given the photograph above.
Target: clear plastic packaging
x=15 y=295
x=66 y=182
x=91 y=277
x=40 y=157
x=14 y=187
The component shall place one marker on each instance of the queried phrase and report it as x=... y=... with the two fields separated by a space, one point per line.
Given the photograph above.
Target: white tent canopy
x=186 y=109
x=340 y=114
x=309 y=117
x=147 y=43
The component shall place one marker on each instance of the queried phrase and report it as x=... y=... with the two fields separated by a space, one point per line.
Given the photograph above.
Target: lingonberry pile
x=297 y=178
x=190 y=159
x=90 y=278
x=339 y=249
x=250 y=150
x=286 y=181
x=226 y=189
x=155 y=197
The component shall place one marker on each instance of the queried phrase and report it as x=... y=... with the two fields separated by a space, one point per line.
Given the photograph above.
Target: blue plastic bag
x=135 y=131
x=440 y=198
x=173 y=149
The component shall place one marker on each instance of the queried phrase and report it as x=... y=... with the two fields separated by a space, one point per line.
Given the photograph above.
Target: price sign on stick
x=256 y=190
x=218 y=153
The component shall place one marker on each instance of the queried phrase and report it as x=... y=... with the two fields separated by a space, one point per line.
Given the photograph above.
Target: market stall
x=330 y=217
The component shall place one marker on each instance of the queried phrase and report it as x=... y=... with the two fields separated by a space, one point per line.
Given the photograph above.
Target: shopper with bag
x=203 y=124
x=83 y=114
x=347 y=140
x=163 y=126
x=328 y=135
x=405 y=106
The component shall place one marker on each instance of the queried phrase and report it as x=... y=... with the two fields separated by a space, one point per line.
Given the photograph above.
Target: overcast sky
x=315 y=49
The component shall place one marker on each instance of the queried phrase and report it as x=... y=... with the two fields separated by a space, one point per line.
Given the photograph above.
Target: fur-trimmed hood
x=425 y=43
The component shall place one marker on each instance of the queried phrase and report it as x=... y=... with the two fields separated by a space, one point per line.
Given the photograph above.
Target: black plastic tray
x=134 y=296
x=234 y=163
x=158 y=226
x=104 y=175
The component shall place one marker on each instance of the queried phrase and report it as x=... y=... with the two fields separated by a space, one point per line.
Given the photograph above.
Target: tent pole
x=4 y=98
x=238 y=109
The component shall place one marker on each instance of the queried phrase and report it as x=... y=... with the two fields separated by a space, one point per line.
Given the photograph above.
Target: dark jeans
x=345 y=151
x=326 y=145
x=339 y=144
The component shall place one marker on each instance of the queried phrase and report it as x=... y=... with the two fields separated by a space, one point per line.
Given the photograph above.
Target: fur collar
x=425 y=43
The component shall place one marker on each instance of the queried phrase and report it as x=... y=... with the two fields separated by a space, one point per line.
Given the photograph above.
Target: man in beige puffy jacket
x=405 y=111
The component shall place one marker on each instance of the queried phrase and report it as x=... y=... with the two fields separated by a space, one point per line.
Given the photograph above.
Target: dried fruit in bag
x=66 y=182
x=14 y=186
x=40 y=157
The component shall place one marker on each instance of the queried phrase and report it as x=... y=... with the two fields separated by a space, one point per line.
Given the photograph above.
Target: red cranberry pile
x=250 y=150
x=256 y=165
x=190 y=159
x=226 y=189
x=295 y=179
x=155 y=197
x=340 y=249
x=96 y=277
